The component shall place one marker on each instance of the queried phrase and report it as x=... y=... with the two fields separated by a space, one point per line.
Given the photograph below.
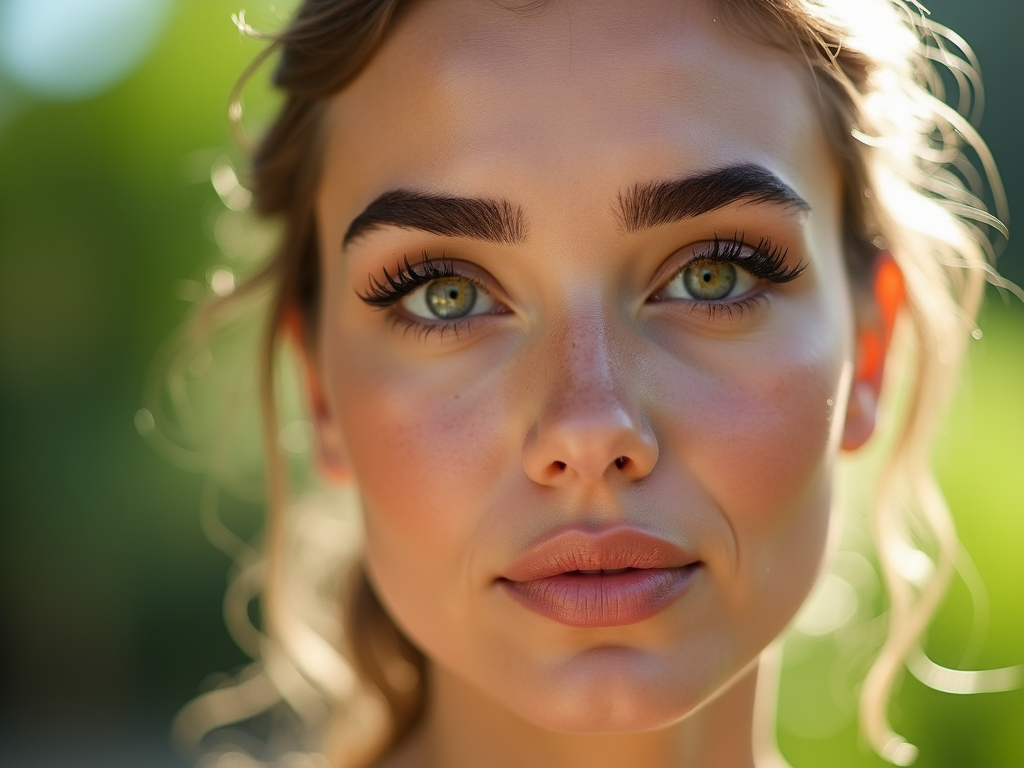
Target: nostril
x=621 y=461
x=560 y=466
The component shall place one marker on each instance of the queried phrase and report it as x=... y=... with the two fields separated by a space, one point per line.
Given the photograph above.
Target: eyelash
x=766 y=261
x=406 y=281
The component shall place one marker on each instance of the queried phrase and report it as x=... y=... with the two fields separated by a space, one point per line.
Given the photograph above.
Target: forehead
x=573 y=99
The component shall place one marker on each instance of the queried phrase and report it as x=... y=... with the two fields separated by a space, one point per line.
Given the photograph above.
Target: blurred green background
x=110 y=597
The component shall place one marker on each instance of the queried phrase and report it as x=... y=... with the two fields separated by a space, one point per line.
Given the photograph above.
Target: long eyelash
x=767 y=260
x=406 y=280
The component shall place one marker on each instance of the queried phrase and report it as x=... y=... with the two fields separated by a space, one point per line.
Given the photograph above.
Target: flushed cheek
x=426 y=453
x=775 y=430
x=763 y=450
x=780 y=515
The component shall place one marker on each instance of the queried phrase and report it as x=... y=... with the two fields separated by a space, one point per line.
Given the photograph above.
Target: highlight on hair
x=919 y=183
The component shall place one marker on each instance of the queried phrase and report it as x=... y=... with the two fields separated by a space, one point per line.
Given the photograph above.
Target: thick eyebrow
x=497 y=221
x=650 y=204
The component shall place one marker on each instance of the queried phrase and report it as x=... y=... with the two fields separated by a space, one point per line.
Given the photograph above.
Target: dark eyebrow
x=650 y=204
x=497 y=221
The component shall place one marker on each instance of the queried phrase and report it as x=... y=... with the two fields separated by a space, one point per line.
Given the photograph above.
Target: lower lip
x=603 y=599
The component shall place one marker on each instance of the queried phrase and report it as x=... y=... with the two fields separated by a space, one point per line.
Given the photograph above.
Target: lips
x=607 y=578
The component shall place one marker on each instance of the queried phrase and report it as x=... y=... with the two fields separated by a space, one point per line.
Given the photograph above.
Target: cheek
x=760 y=438
x=773 y=433
x=779 y=501
x=424 y=443
x=422 y=439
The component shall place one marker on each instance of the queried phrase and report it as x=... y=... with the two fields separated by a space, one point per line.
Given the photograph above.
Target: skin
x=731 y=420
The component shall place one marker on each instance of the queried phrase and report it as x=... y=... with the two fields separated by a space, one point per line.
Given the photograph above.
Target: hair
x=919 y=183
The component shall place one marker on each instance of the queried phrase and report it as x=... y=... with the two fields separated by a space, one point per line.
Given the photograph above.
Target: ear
x=331 y=456
x=875 y=323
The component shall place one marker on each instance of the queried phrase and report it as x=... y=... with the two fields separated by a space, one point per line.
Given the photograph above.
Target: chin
x=611 y=690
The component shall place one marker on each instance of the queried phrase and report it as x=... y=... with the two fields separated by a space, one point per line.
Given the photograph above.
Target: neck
x=464 y=728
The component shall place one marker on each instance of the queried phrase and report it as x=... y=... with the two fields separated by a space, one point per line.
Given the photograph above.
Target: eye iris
x=451 y=297
x=709 y=281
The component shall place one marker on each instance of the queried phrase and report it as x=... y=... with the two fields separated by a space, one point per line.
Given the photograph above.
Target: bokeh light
x=74 y=49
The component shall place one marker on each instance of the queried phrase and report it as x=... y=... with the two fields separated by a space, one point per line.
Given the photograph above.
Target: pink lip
x=547 y=580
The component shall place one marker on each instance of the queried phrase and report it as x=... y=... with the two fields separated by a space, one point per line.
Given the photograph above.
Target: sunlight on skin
x=586 y=394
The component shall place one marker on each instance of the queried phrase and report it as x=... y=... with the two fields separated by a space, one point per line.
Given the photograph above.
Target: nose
x=590 y=425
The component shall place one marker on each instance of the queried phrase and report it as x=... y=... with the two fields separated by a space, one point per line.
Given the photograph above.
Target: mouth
x=607 y=578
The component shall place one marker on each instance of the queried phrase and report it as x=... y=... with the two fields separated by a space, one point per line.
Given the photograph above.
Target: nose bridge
x=590 y=422
x=586 y=381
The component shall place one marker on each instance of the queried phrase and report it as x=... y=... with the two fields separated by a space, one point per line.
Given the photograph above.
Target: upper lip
x=576 y=549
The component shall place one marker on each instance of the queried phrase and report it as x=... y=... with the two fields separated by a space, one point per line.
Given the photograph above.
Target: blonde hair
x=919 y=183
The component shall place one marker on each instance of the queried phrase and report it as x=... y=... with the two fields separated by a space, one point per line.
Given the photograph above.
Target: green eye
x=709 y=281
x=450 y=297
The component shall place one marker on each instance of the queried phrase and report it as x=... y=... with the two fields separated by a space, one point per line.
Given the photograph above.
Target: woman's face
x=584 y=310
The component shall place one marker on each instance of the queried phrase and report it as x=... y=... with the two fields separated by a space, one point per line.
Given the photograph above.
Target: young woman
x=590 y=298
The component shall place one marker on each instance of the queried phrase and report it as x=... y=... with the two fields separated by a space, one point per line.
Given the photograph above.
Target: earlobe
x=331 y=455
x=861 y=416
x=874 y=333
